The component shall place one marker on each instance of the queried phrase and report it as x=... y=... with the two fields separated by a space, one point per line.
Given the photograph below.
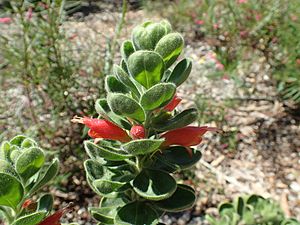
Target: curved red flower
x=173 y=103
x=186 y=136
x=105 y=129
x=54 y=218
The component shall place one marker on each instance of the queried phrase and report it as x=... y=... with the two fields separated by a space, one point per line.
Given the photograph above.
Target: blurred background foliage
x=237 y=27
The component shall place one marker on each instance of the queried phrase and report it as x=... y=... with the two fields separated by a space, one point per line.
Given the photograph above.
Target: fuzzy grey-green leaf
x=146 y=36
x=11 y=190
x=142 y=146
x=183 y=198
x=170 y=47
x=158 y=96
x=154 y=184
x=30 y=219
x=180 y=120
x=30 y=162
x=181 y=72
x=112 y=84
x=126 y=49
x=137 y=213
x=123 y=105
x=147 y=67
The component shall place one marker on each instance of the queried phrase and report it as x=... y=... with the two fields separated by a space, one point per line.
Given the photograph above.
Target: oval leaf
x=31 y=219
x=179 y=157
x=181 y=72
x=108 y=153
x=170 y=47
x=103 y=109
x=30 y=162
x=146 y=36
x=138 y=213
x=126 y=49
x=154 y=184
x=142 y=146
x=180 y=120
x=146 y=67
x=5 y=150
x=158 y=96
x=106 y=187
x=93 y=169
x=6 y=167
x=123 y=105
x=50 y=173
x=125 y=79
x=112 y=84
x=183 y=198
x=105 y=215
x=11 y=190
x=45 y=203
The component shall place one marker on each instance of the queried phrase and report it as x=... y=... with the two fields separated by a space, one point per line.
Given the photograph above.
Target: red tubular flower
x=103 y=129
x=186 y=136
x=137 y=132
x=173 y=103
x=54 y=218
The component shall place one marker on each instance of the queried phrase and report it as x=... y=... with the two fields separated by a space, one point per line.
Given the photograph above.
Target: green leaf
x=123 y=105
x=108 y=153
x=226 y=209
x=125 y=79
x=6 y=167
x=17 y=140
x=119 y=201
x=170 y=47
x=146 y=67
x=28 y=142
x=158 y=96
x=107 y=186
x=180 y=120
x=105 y=180
x=15 y=154
x=11 y=190
x=5 y=150
x=112 y=84
x=142 y=146
x=146 y=36
x=30 y=219
x=45 y=177
x=137 y=213
x=45 y=203
x=183 y=198
x=178 y=157
x=105 y=215
x=104 y=110
x=30 y=162
x=181 y=72
x=126 y=49
x=94 y=170
x=154 y=184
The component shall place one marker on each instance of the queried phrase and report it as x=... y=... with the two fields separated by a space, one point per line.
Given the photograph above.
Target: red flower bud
x=103 y=129
x=54 y=218
x=26 y=203
x=186 y=136
x=173 y=103
x=137 y=132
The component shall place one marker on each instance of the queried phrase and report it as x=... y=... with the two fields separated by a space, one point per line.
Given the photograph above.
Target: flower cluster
x=140 y=138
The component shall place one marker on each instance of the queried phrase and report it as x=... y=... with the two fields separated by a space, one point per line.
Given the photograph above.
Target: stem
x=26 y=70
x=112 y=47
